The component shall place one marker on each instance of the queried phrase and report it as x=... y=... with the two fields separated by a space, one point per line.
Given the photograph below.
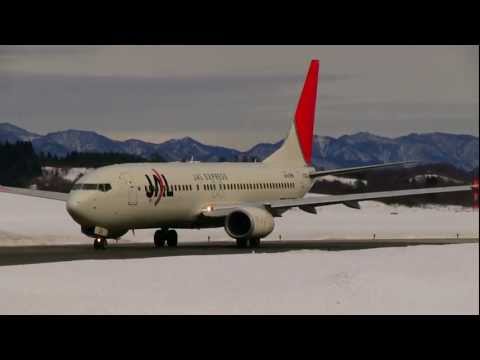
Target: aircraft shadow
x=22 y=255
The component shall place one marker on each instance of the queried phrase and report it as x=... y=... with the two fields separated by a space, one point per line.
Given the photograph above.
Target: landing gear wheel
x=254 y=242
x=99 y=243
x=172 y=238
x=159 y=238
x=242 y=243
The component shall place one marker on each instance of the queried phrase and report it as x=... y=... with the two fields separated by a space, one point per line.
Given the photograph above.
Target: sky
x=238 y=96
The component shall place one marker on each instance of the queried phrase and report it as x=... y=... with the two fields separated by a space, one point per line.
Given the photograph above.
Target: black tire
x=242 y=243
x=172 y=238
x=100 y=243
x=254 y=242
x=159 y=239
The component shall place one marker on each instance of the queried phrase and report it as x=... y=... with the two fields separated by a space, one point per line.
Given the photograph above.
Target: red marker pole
x=475 y=194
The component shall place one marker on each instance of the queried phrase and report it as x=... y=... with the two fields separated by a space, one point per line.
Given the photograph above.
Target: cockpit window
x=100 y=187
x=104 y=187
x=90 y=187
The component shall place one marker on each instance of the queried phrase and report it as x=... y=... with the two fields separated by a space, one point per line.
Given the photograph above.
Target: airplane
x=244 y=198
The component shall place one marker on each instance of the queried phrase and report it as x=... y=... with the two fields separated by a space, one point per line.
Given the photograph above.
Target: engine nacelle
x=249 y=222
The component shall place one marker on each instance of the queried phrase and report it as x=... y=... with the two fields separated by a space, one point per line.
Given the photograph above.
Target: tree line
x=93 y=159
x=18 y=164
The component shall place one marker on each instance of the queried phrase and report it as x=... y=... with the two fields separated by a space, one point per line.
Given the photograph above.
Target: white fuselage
x=153 y=195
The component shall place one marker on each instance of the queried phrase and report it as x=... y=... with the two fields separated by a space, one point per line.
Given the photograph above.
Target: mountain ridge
x=361 y=148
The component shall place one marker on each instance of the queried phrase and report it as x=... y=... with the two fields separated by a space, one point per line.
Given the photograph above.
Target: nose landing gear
x=170 y=236
x=100 y=243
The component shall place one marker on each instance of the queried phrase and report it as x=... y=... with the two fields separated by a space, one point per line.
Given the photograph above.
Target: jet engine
x=251 y=222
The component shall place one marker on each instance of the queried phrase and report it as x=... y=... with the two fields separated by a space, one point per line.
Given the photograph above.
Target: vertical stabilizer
x=297 y=147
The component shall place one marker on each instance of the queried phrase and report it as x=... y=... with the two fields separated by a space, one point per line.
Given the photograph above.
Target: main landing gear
x=100 y=243
x=162 y=236
x=252 y=242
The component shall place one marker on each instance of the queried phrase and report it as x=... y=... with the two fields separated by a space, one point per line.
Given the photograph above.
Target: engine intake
x=249 y=223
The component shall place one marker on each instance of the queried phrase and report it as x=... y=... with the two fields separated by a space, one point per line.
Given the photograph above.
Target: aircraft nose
x=77 y=207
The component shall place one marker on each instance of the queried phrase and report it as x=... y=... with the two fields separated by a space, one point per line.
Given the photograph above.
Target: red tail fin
x=305 y=113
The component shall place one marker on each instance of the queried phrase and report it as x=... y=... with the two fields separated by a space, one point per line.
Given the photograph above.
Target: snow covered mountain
x=12 y=133
x=348 y=150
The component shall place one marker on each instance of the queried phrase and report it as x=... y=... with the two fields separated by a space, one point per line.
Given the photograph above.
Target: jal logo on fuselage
x=157 y=188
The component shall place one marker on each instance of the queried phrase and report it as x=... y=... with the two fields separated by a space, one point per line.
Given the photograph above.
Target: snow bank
x=343 y=180
x=435 y=279
x=71 y=174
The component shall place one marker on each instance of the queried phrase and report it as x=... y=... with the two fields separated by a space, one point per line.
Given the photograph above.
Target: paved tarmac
x=20 y=255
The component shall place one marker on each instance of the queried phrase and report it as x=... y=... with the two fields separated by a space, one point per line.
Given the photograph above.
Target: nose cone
x=77 y=207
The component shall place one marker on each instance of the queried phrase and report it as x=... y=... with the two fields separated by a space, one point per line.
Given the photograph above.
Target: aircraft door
x=131 y=188
x=132 y=195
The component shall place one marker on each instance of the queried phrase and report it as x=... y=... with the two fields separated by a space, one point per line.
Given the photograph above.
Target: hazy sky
x=237 y=95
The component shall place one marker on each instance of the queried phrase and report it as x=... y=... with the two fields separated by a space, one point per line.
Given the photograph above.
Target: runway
x=22 y=255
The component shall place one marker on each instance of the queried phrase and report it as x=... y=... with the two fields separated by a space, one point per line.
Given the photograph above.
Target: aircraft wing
x=309 y=203
x=360 y=168
x=35 y=193
x=352 y=198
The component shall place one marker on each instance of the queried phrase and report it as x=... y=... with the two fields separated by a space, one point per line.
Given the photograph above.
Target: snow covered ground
x=437 y=279
x=430 y=279
x=343 y=180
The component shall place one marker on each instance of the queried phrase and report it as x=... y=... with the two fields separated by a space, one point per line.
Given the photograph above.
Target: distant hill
x=328 y=152
x=11 y=133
